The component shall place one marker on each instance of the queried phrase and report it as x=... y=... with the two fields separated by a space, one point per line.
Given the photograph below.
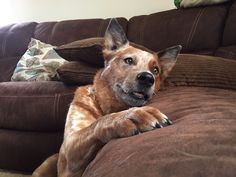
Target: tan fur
x=99 y=113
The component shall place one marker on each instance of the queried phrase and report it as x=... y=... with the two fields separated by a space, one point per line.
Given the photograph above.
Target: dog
x=113 y=107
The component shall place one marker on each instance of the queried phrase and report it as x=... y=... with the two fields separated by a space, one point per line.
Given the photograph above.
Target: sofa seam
x=194 y=27
x=52 y=33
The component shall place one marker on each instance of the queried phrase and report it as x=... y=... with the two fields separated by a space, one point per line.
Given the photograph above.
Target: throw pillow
x=77 y=73
x=39 y=63
x=86 y=50
x=195 y=3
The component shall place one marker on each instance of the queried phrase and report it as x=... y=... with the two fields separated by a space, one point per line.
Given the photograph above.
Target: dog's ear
x=115 y=36
x=168 y=58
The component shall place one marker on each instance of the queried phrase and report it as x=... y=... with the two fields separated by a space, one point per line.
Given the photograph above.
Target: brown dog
x=111 y=107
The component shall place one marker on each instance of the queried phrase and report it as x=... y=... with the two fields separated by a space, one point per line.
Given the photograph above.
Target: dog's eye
x=129 y=61
x=155 y=70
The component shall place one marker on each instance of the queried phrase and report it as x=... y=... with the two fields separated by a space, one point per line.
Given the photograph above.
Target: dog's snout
x=145 y=78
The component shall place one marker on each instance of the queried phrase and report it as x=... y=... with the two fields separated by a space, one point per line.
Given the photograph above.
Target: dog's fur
x=111 y=107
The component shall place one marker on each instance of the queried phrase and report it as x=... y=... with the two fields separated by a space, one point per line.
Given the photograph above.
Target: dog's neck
x=105 y=96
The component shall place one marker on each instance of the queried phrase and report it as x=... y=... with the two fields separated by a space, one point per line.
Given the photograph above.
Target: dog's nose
x=145 y=78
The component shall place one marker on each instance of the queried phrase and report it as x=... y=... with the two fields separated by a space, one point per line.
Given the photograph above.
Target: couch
x=202 y=140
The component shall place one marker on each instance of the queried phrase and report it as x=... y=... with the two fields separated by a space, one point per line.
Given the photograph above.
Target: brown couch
x=202 y=140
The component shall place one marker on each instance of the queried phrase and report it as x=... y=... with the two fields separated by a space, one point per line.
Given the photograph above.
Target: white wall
x=12 y=11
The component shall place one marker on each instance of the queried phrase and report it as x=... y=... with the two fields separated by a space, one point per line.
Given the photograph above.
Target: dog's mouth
x=133 y=97
x=139 y=95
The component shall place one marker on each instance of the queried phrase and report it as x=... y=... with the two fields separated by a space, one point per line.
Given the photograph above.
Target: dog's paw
x=130 y=122
x=147 y=118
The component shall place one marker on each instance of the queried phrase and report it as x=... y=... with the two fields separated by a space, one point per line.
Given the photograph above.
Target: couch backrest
x=198 y=30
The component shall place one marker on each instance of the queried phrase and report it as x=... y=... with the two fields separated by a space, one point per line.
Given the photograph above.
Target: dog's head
x=134 y=74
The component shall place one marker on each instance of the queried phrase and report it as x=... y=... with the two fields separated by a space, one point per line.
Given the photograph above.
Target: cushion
x=7 y=67
x=34 y=106
x=77 y=73
x=39 y=63
x=199 y=143
x=203 y=71
x=195 y=3
x=87 y=50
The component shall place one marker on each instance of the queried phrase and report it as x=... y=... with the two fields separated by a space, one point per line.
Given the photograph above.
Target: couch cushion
x=185 y=27
x=88 y=50
x=26 y=150
x=200 y=142
x=36 y=106
x=227 y=52
x=7 y=67
x=14 y=39
x=229 y=37
x=203 y=71
x=59 y=33
x=77 y=73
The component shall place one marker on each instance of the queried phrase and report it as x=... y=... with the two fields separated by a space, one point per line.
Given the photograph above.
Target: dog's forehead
x=139 y=54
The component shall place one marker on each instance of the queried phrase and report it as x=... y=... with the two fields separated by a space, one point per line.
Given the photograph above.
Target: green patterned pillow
x=39 y=63
x=195 y=3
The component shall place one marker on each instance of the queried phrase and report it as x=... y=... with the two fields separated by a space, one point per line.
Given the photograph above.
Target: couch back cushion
x=199 y=30
x=14 y=39
x=59 y=33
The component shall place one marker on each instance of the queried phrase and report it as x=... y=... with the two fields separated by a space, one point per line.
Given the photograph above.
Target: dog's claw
x=158 y=125
x=136 y=132
x=168 y=122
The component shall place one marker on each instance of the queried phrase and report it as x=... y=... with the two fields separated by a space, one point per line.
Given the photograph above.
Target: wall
x=12 y=11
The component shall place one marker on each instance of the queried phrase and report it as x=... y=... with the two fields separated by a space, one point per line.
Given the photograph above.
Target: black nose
x=145 y=79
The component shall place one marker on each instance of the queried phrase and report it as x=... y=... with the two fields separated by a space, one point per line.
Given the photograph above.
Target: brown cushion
x=203 y=71
x=87 y=50
x=34 y=106
x=200 y=142
x=77 y=73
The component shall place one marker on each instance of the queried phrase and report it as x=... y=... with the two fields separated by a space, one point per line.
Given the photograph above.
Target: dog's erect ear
x=115 y=36
x=168 y=58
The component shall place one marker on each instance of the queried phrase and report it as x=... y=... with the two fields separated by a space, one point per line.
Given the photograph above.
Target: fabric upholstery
x=161 y=30
x=34 y=106
x=7 y=67
x=200 y=142
x=59 y=33
x=77 y=73
x=203 y=71
x=230 y=26
x=88 y=50
x=13 y=35
x=25 y=150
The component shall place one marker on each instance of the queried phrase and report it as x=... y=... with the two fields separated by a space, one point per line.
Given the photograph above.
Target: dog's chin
x=133 y=97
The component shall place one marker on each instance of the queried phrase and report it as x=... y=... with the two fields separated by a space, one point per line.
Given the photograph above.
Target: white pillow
x=39 y=63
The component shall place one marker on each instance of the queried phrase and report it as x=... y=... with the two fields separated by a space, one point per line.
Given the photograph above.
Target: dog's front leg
x=82 y=146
